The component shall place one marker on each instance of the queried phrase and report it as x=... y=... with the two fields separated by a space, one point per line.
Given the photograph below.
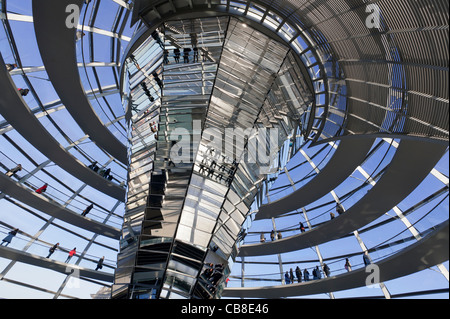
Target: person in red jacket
x=42 y=189
x=71 y=254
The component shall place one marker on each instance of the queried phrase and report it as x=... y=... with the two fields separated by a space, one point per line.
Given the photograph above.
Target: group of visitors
x=366 y=260
x=154 y=127
x=8 y=239
x=72 y=253
x=212 y=275
x=220 y=172
x=339 y=211
x=43 y=188
x=104 y=172
x=273 y=236
x=186 y=55
x=289 y=276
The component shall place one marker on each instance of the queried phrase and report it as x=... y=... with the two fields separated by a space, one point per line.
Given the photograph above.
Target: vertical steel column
x=321 y=263
x=280 y=261
x=243 y=272
x=383 y=287
x=316 y=247
x=304 y=210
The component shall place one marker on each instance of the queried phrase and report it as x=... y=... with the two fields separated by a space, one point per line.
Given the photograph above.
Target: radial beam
x=57 y=46
x=400 y=179
x=426 y=253
x=16 y=112
x=31 y=259
x=52 y=208
x=348 y=156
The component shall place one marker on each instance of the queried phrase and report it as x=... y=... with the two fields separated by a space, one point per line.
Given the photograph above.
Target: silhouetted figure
x=7 y=240
x=52 y=249
x=94 y=167
x=157 y=38
x=195 y=55
x=177 y=55
x=100 y=263
x=107 y=172
x=10 y=67
x=166 y=57
x=318 y=273
x=287 y=279
x=262 y=238
x=272 y=235
x=306 y=274
x=24 y=92
x=347 y=265
x=298 y=273
x=186 y=53
x=366 y=259
x=14 y=170
x=302 y=227
x=87 y=210
x=326 y=270
x=158 y=80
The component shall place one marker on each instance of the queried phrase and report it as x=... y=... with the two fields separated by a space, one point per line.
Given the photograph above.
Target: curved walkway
x=58 y=51
x=347 y=157
x=427 y=252
x=16 y=112
x=412 y=163
x=45 y=205
x=34 y=260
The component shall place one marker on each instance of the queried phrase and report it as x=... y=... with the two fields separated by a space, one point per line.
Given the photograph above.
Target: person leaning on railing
x=14 y=170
